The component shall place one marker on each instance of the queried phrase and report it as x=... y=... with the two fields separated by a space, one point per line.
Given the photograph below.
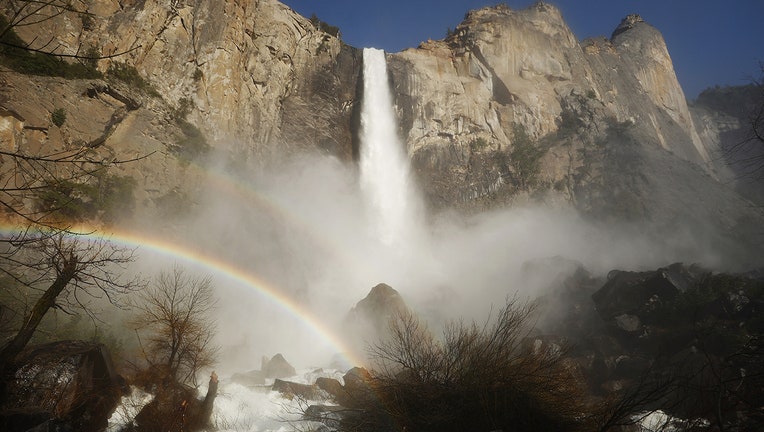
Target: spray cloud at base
x=313 y=229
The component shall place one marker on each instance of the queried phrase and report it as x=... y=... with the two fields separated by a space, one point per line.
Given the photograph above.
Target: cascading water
x=385 y=180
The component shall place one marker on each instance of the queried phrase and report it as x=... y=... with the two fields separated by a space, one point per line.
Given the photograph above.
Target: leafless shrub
x=476 y=377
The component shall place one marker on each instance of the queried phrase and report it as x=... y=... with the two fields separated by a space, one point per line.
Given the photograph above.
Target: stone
x=636 y=294
x=301 y=391
x=356 y=377
x=329 y=385
x=370 y=318
x=73 y=383
x=329 y=415
x=628 y=323
x=278 y=367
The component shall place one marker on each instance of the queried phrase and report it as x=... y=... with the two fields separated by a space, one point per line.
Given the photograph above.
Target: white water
x=385 y=180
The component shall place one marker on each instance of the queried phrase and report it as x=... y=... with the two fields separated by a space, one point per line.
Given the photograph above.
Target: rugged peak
x=627 y=24
x=497 y=10
x=382 y=298
x=644 y=52
x=539 y=11
x=371 y=316
x=546 y=8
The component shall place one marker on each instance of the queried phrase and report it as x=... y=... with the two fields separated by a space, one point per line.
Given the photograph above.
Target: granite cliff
x=509 y=107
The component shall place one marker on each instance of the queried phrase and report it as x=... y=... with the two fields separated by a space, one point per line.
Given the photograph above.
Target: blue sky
x=710 y=41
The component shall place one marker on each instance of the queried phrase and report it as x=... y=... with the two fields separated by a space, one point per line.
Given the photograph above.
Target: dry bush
x=476 y=377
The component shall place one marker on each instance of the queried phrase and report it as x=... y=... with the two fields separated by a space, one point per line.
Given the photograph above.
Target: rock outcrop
x=261 y=78
x=277 y=367
x=274 y=367
x=609 y=117
x=245 y=83
x=503 y=67
x=370 y=319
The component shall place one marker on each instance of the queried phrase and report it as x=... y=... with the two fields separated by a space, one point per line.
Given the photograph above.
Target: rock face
x=255 y=72
x=252 y=81
x=256 y=82
x=724 y=117
x=503 y=67
x=609 y=116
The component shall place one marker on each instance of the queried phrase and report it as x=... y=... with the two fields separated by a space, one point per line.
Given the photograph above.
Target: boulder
x=639 y=293
x=278 y=367
x=72 y=383
x=302 y=391
x=357 y=378
x=550 y=345
x=628 y=323
x=357 y=389
x=631 y=367
x=176 y=407
x=23 y=419
x=379 y=306
x=370 y=318
x=329 y=385
x=329 y=415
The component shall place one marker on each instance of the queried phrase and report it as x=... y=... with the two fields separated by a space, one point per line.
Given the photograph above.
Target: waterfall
x=385 y=180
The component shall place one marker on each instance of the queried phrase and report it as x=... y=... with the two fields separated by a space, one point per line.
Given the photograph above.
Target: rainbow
x=218 y=266
x=223 y=182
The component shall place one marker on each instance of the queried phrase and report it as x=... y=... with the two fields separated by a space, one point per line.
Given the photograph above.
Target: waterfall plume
x=385 y=179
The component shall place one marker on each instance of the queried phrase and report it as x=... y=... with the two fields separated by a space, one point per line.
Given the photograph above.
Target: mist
x=318 y=233
x=305 y=228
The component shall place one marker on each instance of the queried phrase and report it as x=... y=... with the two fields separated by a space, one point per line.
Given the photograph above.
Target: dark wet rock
x=329 y=415
x=357 y=378
x=23 y=419
x=329 y=385
x=631 y=366
x=640 y=293
x=302 y=391
x=369 y=320
x=628 y=323
x=176 y=407
x=684 y=327
x=357 y=388
x=382 y=304
x=278 y=367
x=545 y=345
x=73 y=383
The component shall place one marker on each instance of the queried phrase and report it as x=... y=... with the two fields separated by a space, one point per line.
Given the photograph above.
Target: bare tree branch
x=174 y=312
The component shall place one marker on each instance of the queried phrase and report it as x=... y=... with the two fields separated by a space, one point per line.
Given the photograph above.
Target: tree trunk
x=209 y=400
x=11 y=349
